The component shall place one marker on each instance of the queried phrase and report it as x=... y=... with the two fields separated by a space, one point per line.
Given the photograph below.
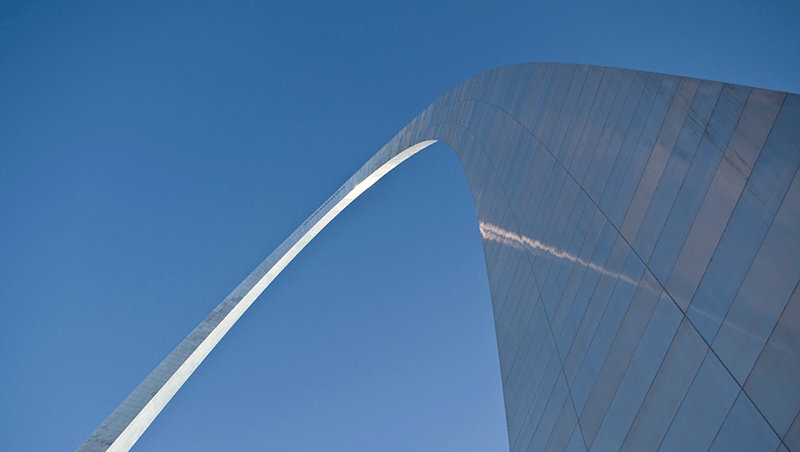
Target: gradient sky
x=153 y=153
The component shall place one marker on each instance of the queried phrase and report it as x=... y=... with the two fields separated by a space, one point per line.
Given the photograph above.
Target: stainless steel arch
x=642 y=240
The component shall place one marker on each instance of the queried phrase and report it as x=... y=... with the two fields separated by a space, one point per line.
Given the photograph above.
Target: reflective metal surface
x=642 y=241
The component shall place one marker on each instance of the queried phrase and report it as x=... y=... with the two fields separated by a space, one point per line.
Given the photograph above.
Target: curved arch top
x=642 y=240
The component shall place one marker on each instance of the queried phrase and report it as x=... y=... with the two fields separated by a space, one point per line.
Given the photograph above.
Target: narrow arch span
x=642 y=240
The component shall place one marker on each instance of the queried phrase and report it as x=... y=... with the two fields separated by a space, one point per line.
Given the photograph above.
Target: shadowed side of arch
x=634 y=226
x=642 y=239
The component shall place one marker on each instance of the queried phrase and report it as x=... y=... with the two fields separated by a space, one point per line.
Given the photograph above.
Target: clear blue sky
x=153 y=153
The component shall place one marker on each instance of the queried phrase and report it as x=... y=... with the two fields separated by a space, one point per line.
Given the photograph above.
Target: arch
x=634 y=225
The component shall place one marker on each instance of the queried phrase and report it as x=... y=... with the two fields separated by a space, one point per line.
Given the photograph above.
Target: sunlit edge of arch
x=104 y=437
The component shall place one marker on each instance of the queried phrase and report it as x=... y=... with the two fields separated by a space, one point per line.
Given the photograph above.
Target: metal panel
x=564 y=428
x=612 y=139
x=632 y=134
x=629 y=283
x=581 y=265
x=792 y=437
x=589 y=282
x=763 y=194
x=644 y=146
x=703 y=409
x=774 y=382
x=698 y=178
x=765 y=290
x=659 y=156
x=669 y=387
x=675 y=170
x=744 y=430
x=726 y=187
x=639 y=376
x=594 y=310
x=619 y=356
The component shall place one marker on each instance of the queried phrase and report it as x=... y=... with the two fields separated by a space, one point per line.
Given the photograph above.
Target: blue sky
x=153 y=153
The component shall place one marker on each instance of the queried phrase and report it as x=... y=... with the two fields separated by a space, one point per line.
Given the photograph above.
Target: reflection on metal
x=686 y=191
x=497 y=234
